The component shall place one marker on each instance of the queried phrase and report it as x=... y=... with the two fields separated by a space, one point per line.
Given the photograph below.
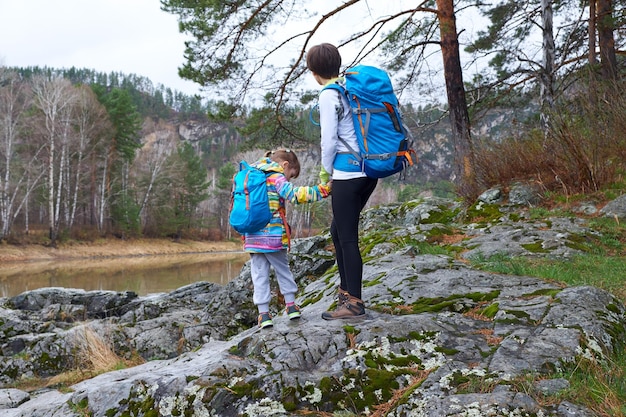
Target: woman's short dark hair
x=324 y=60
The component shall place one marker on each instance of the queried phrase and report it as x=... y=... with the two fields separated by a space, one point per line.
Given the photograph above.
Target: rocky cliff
x=439 y=339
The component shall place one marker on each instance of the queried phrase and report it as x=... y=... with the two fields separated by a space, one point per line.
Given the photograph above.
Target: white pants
x=260 y=268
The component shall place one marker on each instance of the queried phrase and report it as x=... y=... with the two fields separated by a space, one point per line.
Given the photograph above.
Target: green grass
x=600 y=386
x=606 y=272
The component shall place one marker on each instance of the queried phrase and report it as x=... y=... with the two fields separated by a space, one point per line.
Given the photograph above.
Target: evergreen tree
x=127 y=124
x=194 y=185
x=222 y=55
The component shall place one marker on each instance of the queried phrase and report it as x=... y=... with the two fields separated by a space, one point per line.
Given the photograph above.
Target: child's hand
x=324 y=189
x=324 y=176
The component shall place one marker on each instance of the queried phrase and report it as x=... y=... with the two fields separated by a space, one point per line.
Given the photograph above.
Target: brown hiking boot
x=350 y=309
x=342 y=295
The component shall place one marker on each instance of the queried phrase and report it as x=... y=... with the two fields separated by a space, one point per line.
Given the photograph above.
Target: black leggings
x=348 y=199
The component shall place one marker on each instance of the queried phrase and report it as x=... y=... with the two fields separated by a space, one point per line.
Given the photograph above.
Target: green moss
x=394 y=339
x=551 y=292
x=434 y=305
x=370 y=240
x=422 y=336
x=440 y=215
x=535 y=247
x=483 y=213
x=428 y=248
x=491 y=310
x=241 y=389
x=289 y=406
x=446 y=351
x=583 y=243
x=49 y=363
x=351 y=329
x=482 y=296
x=613 y=308
x=518 y=314
x=137 y=404
x=312 y=300
x=12 y=372
x=325 y=384
x=289 y=398
x=377 y=384
x=81 y=407
x=374 y=281
x=471 y=382
x=439 y=231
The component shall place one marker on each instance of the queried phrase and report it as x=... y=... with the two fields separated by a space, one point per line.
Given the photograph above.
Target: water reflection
x=143 y=275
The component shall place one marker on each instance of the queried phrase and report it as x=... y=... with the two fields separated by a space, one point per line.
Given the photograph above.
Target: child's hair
x=288 y=155
x=324 y=60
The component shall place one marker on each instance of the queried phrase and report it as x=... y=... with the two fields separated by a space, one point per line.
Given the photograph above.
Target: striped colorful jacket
x=274 y=237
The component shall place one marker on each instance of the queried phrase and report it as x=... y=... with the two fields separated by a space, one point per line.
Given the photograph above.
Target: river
x=141 y=274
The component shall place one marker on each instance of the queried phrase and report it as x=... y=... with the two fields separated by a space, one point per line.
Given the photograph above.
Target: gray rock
x=552 y=386
x=491 y=196
x=434 y=328
x=524 y=194
x=615 y=208
x=567 y=409
x=585 y=208
x=11 y=398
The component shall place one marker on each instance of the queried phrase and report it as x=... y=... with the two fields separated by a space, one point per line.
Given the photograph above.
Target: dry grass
x=95 y=355
x=584 y=150
x=491 y=339
x=94 y=352
x=476 y=313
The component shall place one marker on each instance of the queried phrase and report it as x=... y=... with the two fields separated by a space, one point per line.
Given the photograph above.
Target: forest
x=84 y=154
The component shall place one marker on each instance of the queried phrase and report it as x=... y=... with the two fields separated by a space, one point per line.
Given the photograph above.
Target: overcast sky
x=128 y=36
x=132 y=36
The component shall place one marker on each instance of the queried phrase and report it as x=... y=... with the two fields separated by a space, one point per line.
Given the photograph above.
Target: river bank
x=110 y=248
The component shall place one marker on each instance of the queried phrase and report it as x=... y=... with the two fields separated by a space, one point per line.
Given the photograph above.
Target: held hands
x=325 y=189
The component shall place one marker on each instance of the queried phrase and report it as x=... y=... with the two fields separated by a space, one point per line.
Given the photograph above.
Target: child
x=351 y=187
x=268 y=247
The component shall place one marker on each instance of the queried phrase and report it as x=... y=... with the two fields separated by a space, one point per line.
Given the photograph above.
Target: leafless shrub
x=583 y=151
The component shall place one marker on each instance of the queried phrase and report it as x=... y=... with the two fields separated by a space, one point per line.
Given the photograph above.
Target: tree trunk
x=463 y=149
x=547 y=76
x=606 y=25
x=592 y=33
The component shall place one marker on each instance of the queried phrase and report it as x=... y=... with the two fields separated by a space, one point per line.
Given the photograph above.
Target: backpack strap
x=283 y=215
x=341 y=90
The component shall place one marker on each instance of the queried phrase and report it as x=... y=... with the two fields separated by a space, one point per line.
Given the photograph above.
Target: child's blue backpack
x=384 y=147
x=250 y=206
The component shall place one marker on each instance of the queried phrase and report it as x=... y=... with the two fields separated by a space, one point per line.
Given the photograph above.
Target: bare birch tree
x=19 y=166
x=54 y=98
x=149 y=164
x=91 y=126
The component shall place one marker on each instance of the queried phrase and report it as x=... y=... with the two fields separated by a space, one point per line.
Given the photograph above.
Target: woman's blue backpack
x=384 y=147
x=250 y=207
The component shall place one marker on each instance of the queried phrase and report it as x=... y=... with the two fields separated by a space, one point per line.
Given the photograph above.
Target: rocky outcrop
x=439 y=339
